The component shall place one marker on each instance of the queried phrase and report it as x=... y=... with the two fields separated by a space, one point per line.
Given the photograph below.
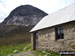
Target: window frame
x=59 y=32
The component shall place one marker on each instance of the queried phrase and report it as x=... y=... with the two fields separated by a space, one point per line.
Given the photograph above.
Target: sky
x=49 y=6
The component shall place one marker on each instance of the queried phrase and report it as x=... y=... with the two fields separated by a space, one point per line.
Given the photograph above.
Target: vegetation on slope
x=13 y=35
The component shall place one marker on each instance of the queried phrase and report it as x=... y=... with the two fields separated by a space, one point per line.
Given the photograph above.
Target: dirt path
x=23 y=54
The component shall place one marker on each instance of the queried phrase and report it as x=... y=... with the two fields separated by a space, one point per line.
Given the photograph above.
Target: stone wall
x=69 y=31
x=44 y=36
x=46 y=39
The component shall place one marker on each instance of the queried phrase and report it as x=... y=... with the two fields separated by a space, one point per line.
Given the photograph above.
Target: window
x=59 y=32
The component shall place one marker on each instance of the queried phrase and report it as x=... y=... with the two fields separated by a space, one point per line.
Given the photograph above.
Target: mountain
x=24 y=15
x=15 y=28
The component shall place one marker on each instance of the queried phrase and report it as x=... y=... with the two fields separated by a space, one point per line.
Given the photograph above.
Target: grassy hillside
x=13 y=35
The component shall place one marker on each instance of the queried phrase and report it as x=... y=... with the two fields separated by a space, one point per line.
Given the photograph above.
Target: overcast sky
x=49 y=6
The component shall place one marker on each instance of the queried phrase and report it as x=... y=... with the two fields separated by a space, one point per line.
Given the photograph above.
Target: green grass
x=5 y=50
x=46 y=53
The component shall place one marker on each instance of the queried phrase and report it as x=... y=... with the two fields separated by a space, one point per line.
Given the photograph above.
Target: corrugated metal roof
x=64 y=15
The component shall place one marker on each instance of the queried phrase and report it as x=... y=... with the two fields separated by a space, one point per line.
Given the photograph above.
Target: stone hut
x=55 y=32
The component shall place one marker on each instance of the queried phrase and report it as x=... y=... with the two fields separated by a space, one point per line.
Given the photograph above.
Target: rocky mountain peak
x=24 y=15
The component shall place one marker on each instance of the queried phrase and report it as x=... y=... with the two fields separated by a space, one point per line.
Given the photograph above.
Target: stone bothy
x=55 y=32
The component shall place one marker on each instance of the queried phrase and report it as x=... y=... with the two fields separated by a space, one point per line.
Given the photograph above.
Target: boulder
x=15 y=51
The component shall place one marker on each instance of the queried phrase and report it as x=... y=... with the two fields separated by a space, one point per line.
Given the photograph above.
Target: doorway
x=35 y=38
